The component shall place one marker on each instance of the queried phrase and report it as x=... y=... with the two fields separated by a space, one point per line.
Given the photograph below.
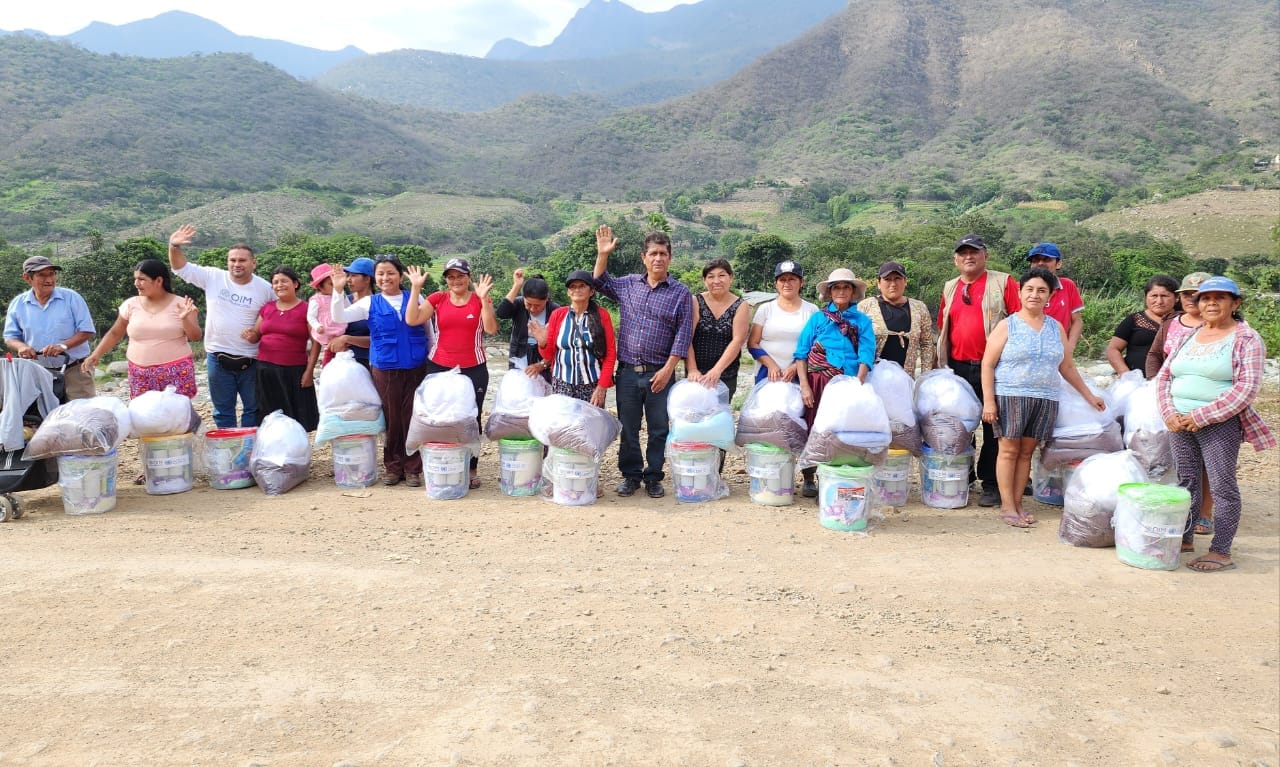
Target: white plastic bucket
x=892 y=478
x=574 y=476
x=944 y=479
x=88 y=483
x=167 y=463
x=844 y=496
x=1150 y=520
x=694 y=471
x=521 y=461
x=355 y=460
x=772 y=472
x=1050 y=485
x=446 y=470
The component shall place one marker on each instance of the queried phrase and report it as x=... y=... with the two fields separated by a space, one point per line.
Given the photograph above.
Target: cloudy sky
x=453 y=26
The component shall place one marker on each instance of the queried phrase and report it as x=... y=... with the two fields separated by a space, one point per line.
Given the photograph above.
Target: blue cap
x=1046 y=249
x=1219 y=285
x=362 y=265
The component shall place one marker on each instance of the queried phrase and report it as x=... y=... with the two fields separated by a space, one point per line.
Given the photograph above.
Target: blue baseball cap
x=1046 y=249
x=362 y=265
x=1219 y=285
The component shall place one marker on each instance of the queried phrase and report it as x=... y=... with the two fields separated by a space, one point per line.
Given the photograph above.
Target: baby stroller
x=22 y=387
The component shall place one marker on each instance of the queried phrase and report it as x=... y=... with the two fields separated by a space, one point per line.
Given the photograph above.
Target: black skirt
x=280 y=388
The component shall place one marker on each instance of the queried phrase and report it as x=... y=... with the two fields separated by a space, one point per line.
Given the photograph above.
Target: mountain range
x=1052 y=97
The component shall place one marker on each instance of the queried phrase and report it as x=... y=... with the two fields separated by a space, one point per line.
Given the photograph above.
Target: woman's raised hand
x=186 y=307
x=339 y=276
x=417 y=277
x=538 y=331
x=483 y=286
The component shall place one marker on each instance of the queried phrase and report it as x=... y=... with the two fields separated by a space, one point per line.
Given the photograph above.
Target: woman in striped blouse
x=578 y=344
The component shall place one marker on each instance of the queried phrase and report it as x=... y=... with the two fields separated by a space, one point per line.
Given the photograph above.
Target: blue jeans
x=224 y=386
x=635 y=399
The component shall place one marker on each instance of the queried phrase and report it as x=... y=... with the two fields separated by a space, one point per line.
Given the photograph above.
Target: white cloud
x=455 y=26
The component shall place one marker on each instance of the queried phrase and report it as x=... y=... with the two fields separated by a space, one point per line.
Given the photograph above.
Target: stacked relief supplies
x=578 y=433
x=1080 y=431
x=897 y=391
x=947 y=410
x=518 y=395
x=165 y=424
x=444 y=412
x=349 y=402
x=701 y=424
x=773 y=414
x=1089 y=502
x=851 y=423
x=281 y=458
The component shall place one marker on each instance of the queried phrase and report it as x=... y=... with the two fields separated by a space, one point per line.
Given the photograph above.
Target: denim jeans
x=635 y=399
x=225 y=386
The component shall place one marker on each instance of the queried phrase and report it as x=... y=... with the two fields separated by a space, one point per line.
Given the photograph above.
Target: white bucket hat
x=843 y=275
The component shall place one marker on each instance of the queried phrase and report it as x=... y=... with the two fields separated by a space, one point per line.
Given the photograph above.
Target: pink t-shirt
x=459 y=332
x=154 y=338
x=284 y=335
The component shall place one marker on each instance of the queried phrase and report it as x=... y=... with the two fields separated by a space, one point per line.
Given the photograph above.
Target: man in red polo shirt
x=1065 y=305
x=972 y=304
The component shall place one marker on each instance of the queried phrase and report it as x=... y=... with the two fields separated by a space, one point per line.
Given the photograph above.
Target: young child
x=323 y=328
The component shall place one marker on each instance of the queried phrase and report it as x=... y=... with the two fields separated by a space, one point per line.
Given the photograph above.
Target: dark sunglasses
x=964 y=294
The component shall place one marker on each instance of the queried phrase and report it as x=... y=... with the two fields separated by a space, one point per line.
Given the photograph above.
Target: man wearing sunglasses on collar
x=972 y=305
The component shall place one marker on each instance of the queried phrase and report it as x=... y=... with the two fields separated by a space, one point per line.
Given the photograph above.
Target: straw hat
x=843 y=275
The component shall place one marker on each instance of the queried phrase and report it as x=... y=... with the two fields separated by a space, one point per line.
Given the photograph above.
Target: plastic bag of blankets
x=1089 y=501
x=281 y=457
x=774 y=415
x=518 y=394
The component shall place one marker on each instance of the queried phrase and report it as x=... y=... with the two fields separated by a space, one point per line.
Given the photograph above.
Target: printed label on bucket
x=692 y=469
x=514 y=464
x=575 y=471
x=348 y=459
x=444 y=466
x=166 y=463
x=891 y=475
x=948 y=475
x=1162 y=531
x=764 y=472
x=851 y=494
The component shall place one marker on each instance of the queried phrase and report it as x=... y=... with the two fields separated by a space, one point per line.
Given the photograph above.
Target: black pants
x=986 y=465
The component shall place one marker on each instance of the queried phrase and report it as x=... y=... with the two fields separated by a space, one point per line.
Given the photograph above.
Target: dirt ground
x=317 y=628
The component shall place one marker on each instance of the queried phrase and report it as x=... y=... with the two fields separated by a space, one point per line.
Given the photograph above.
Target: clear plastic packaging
x=773 y=414
x=695 y=471
x=772 y=474
x=574 y=477
x=846 y=496
x=446 y=471
x=699 y=414
x=1089 y=501
x=572 y=424
x=517 y=396
x=344 y=383
x=80 y=427
x=161 y=413
x=281 y=458
x=1150 y=521
x=444 y=412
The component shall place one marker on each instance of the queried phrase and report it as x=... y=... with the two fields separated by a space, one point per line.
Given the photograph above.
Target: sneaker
x=413 y=480
x=391 y=479
x=809 y=489
x=654 y=489
x=990 y=496
x=628 y=486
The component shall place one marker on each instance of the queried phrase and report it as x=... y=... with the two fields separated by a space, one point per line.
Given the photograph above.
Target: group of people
x=1010 y=338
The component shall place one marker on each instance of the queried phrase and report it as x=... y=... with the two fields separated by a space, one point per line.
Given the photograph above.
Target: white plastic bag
x=896 y=389
x=1118 y=394
x=942 y=391
x=572 y=424
x=80 y=427
x=519 y=393
x=281 y=457
x=160 y=413
x=698 y=414
x=848 y=405
x=344 y=381
x=444 y=399
x=1076 y=417
x=1089 y=501
x=774 y=415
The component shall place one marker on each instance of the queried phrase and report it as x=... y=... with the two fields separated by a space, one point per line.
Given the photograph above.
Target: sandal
x=1204 y=526
x=1030 y=519
x=1014 y=519
x=475 y=483
x=1206 y=565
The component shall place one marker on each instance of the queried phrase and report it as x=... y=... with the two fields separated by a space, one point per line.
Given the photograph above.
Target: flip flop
x=1204 y=526
x=1029 y=518
x=1218 y=566
x=1012 y=519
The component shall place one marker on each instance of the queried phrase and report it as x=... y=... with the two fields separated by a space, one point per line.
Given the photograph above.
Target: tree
x=658 y=223
x=755 y=258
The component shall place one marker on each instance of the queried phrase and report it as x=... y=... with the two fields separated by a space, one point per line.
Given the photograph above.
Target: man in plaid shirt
x=654 y=329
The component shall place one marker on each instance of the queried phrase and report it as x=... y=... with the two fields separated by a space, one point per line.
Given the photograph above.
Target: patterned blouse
x=712 y=336
x=921 y=348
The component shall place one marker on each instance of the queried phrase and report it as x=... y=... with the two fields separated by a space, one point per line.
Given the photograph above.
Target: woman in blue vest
x=397 y=358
